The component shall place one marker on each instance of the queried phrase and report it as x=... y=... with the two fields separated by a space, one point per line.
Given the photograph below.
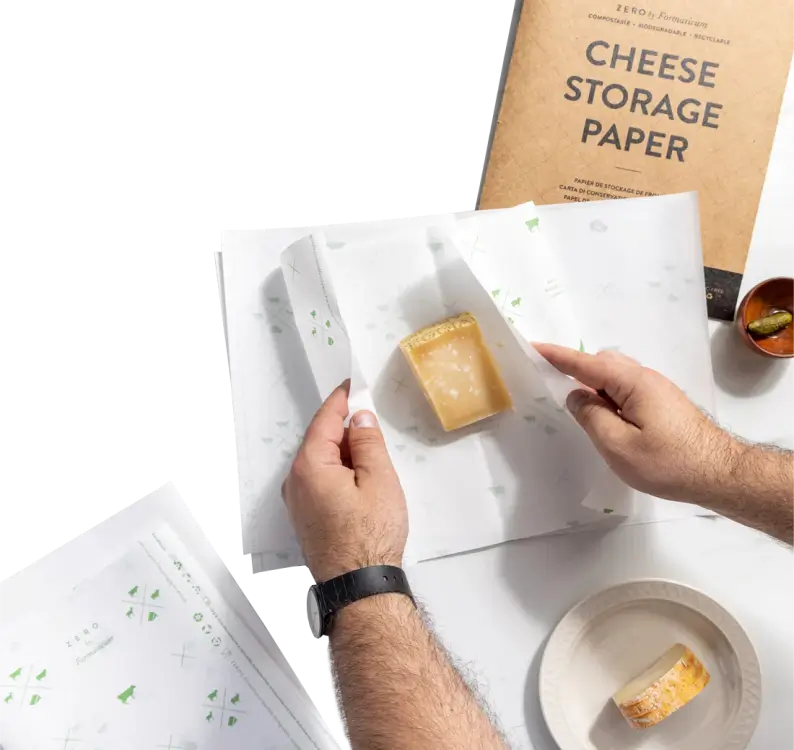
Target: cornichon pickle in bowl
x=770 y=324
x=764 y=318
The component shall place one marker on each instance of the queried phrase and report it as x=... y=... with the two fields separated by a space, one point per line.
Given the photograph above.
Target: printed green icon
x=198 y=617
x=532 y=224
x=143 y=605
x=502 y=298
x=220 y=707
x=28 y=679
x=126 y=694
x=317 y=328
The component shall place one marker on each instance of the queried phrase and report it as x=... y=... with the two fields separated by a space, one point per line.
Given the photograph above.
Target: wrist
x=729 y=472
x=382 y=612
x=326 y=567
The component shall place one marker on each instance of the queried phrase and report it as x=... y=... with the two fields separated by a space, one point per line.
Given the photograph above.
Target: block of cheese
x=457 y=371
x=669 y=683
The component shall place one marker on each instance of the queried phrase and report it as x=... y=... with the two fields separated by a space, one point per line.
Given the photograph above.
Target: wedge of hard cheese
x=671 y=682
x=456 y=371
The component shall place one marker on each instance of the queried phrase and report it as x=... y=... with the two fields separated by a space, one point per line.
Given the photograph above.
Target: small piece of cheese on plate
x=669 y=683
x=456 y=371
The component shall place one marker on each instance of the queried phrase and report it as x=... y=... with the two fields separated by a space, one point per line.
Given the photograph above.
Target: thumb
x=368 y=454
x=604 y=426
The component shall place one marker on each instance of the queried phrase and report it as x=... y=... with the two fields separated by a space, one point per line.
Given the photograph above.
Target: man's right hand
x=651 y=435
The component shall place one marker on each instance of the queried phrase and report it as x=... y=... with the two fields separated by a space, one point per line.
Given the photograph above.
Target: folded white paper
x=508 y=477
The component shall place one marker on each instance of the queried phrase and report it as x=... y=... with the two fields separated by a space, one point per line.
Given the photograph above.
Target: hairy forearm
x=396 y=684
x=754 y=485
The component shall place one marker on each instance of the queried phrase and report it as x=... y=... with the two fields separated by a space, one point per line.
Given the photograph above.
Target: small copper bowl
x=770 y=296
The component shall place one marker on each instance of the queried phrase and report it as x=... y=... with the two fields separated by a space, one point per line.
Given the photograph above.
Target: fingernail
x=576 y=399
x=364 y=419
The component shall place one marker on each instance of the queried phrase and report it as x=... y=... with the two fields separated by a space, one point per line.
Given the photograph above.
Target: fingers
x=599 y=420
x=368 y=455
x=611 y=372
x=325 y=434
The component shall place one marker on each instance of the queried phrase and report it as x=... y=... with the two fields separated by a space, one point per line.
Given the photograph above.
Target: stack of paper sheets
x=307 y=308
x=135 y=635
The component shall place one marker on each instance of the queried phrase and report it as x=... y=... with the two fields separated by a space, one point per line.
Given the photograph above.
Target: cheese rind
x=456 y=371
x=664 y=687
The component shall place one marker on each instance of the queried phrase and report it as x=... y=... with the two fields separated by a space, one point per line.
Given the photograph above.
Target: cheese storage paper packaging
x=504 y=478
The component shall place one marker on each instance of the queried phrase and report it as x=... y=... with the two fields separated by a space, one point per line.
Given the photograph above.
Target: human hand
x=651 y=435
x=343 y=496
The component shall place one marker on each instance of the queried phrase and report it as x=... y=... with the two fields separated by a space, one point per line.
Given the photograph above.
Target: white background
x=131 y=135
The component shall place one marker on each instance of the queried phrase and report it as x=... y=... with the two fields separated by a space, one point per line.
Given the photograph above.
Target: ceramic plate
x=608 y=639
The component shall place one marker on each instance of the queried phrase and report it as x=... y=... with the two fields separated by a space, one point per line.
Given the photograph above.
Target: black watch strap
x=338 y=592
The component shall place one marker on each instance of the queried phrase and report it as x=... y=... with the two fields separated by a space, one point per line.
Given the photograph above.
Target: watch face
x=313 y=613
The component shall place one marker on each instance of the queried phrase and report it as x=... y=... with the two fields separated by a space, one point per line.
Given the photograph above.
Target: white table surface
x=495 y=608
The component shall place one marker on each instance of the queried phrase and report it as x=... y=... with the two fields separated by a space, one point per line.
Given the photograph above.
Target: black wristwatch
x=324 y=600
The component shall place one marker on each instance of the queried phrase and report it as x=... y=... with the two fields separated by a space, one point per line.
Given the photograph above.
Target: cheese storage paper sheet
x=594 y=252
x=273 y=392
x=504 y=478
x=635 y=272
x=146 y=652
